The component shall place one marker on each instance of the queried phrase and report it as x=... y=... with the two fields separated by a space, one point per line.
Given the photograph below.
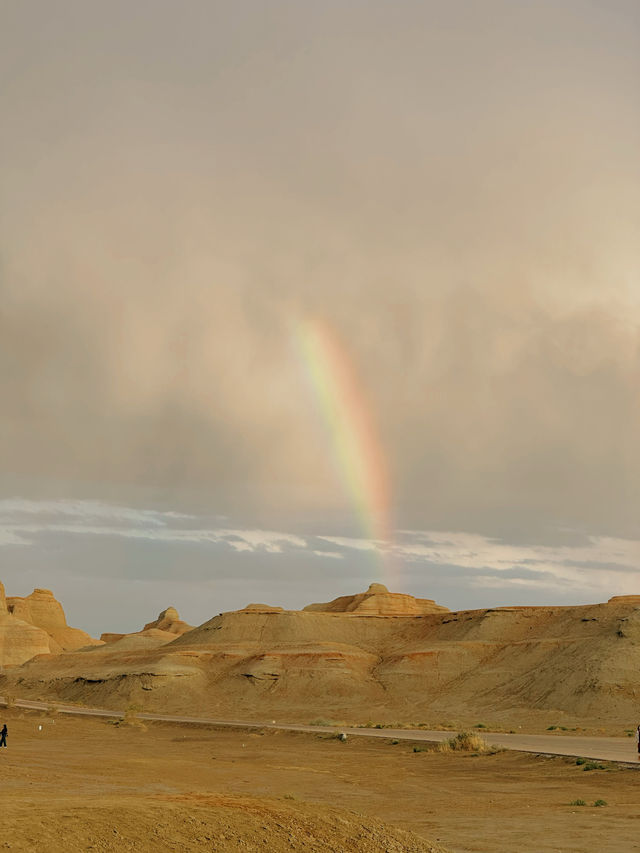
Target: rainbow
x=354 y=439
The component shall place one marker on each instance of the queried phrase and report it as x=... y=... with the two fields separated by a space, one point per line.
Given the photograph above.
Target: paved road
x=602 y=748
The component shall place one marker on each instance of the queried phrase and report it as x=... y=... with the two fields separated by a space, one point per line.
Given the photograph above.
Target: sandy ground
x=81 y=784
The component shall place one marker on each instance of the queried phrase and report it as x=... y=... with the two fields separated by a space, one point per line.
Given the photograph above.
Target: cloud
x=152 y=525
x=15 y=508
x=456 y=195
x=595 y=563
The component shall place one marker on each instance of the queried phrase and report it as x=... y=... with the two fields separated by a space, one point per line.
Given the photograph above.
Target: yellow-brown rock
x=19 y=641
x=378 y=601
x=165 y=628
x=169 y=620
x=40 y=611
x=624 y=599
x=110 y=637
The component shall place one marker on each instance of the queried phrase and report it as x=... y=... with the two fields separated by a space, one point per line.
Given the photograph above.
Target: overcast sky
x=452 y=188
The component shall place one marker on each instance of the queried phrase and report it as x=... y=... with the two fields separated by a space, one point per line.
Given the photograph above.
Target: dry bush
x=9 y=700
x=131 y=718
x=465 y=742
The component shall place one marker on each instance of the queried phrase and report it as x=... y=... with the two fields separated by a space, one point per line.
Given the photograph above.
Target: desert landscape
x=374 y=659
x=319 y=418
x=72 y=785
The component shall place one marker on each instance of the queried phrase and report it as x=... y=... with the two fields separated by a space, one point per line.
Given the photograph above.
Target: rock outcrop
x=551 y=664
x=42 y=610
x=169 y=620
x=378 y=601
x=19 y=641
x=165 y=628
x=35 y=625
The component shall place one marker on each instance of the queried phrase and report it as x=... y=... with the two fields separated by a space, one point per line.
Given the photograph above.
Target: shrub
x=599 y=803
x=578 y=803
x=581 y=761
x=465 y=742
x=594 y=765
x=131 y=718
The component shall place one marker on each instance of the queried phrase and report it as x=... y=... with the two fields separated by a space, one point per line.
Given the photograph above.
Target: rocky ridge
x=378 y=601
x=346 y=662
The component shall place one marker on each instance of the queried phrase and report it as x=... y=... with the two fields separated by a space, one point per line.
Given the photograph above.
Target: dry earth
x=81 y=785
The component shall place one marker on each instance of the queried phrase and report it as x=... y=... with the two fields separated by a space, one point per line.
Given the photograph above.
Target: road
x=601 y=748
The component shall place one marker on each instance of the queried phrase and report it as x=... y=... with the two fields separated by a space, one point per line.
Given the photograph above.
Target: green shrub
x=599 y=803
x=578 y=803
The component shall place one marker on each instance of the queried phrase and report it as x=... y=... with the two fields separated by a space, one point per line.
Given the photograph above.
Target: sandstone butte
x=373 y=656
x=378 y=601
x=35 y=625
x=164 y=629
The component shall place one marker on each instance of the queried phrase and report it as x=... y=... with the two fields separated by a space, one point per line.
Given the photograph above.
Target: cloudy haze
x=450 y=187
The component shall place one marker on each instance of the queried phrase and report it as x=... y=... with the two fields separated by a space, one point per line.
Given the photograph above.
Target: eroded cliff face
x=343 y=662
x=378 y=601
x=263 y=662
x=35 y=625
x=19 y=641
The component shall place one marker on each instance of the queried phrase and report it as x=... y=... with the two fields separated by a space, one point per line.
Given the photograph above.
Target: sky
x=299 y=296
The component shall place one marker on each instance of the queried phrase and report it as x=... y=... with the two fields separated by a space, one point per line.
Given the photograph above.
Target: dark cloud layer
x=453 y=187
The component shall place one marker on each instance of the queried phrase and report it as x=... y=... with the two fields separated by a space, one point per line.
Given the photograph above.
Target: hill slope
x=581 y=662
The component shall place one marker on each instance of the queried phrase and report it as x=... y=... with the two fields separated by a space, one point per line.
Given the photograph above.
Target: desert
x=319 y=418
x=376 y=656
x=74 y=784
x=375 y=663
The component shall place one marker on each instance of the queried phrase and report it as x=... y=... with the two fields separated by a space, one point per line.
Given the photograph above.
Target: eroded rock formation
x=35 y=625
x=378 y=601
x=165 y=628
x=558 y=663
x=169 y=620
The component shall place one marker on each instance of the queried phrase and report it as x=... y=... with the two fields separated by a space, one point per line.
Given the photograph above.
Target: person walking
x=3 y=735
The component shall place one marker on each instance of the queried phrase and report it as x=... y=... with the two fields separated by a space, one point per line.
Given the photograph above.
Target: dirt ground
x=78 y=784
